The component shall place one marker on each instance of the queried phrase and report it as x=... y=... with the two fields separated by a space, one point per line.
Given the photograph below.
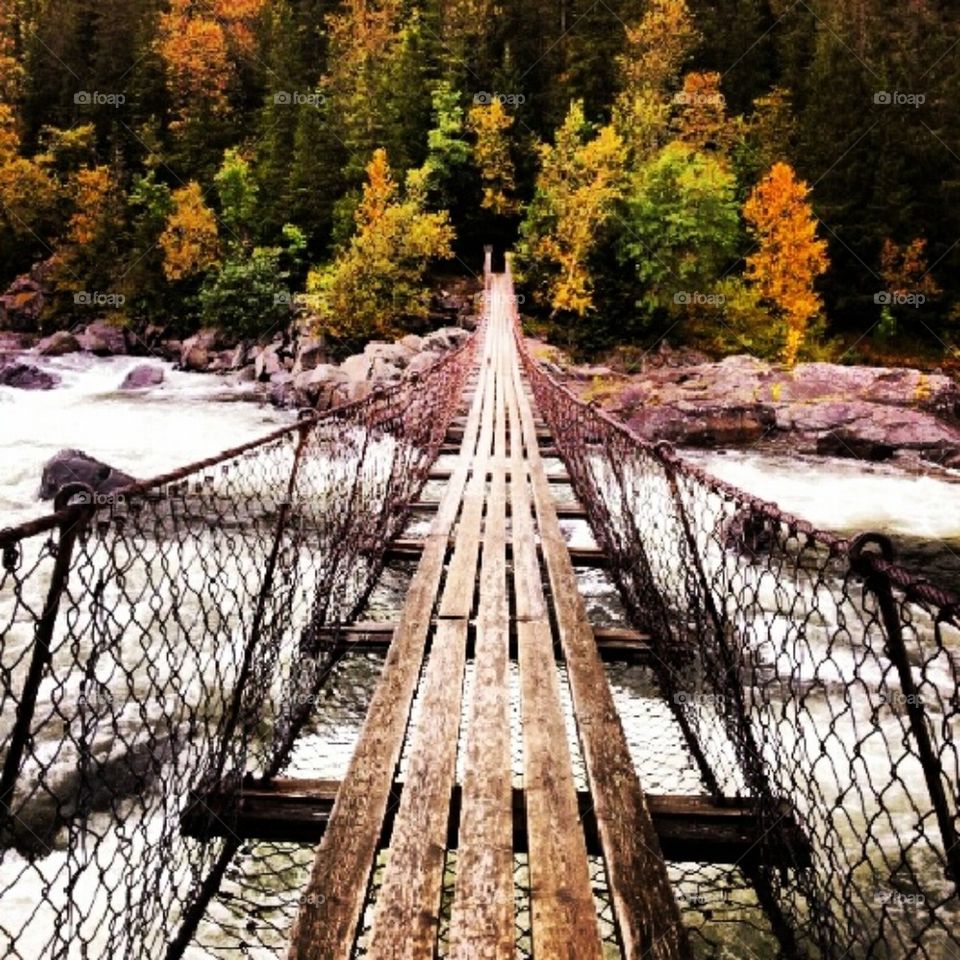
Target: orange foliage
x=790 y=256
x=904 y=269
x=92 y=189
x=190 y=240
x=199 y=43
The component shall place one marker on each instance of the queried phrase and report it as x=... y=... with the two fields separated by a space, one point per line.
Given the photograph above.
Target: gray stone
x=311 y=353
x=318 y=387
x=24 y=376
x=267 y=364
x=384 y=370
x=58 y=344
x=395 y=354
x=22 y=305
x=143 y=376
x=357 y=367
x=421 y=363
x=195 y=359
x=103 y=339
x=74 y=466
x=412 y=342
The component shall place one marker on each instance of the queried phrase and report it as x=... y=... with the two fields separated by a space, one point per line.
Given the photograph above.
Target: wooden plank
x=616 y=645
x=330 y=910
x=407 y=912
x=688 y=827
x=482 y=914
x=565 y=511
x=563 y=912
x=594 y=557
x=646 y=910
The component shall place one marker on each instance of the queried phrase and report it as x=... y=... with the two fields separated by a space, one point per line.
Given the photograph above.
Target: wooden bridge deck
x=498 y=516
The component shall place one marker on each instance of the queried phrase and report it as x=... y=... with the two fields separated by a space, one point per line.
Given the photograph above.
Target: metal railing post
x=70 y=529
x=877 y=583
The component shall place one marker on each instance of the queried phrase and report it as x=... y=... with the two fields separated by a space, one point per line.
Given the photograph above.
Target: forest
x=763 y=176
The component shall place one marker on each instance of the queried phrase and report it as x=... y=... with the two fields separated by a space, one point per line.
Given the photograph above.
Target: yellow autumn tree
x=580 y=180
x=190 y=240
x=655 y=50
x=701 y=119
x=376 y=285
x=200 y=42
x=490 y=125
x=904 y=269
x=789 y=256
x=28 y=194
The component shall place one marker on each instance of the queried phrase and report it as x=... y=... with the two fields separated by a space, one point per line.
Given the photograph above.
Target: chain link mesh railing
x=171 y=639
x=807 y=672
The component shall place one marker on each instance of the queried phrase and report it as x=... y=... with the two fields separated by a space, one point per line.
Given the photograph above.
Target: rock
x=446 y=338
x=58 y=344
x=103 y=339
x=22 y=305
x=311 y=353
x=385 y=371
x=846 y=443
x=421 y=363
x=24 y=376
x=412 y=342
x=143 y=376
x=590 y=373
x=395 y=354
x=267 y=364
x=74 y=466
x=318 y=387
x=194 y=358
x=358 y=367
x=237 y=357
x=705 y=425
x=281 y=390
x=358 y=390
x=170 y=350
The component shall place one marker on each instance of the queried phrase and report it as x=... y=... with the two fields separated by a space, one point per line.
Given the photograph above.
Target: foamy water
x=142 y=432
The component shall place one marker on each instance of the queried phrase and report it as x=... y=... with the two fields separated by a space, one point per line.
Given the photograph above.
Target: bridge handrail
x=57 y=517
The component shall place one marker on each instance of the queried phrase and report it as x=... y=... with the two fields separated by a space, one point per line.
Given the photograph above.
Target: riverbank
x=822 y=409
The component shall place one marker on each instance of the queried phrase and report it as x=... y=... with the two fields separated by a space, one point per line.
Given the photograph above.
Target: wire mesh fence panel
x=172 y=639
x=806 y=672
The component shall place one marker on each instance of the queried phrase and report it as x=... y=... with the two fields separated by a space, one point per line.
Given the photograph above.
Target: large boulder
x=74 y=466
x=58 y=344
x=395 y=354
x=319 y=387
x=268 y=362
x=412 y=342
x=103 y=339
x=143 y=376
x=446 y=338
x=848 y=443
x=311 y=353
x=705 y=425
x=421 y=363
x=197 y=352
x=383 y=370
x=358 y=367
x=25 y=376
x=282 y=391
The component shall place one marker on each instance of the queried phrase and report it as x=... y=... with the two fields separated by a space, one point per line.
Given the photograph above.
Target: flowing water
x=148 y=432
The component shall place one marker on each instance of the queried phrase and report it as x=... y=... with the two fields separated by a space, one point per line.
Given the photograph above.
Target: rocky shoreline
x=292 y=369
x=859 y=412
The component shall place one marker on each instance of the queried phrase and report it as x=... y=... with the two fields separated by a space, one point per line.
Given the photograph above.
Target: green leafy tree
x=375 y=287
x=681 y=229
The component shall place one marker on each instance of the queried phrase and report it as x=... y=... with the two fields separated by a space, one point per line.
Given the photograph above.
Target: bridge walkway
x=499 y=467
